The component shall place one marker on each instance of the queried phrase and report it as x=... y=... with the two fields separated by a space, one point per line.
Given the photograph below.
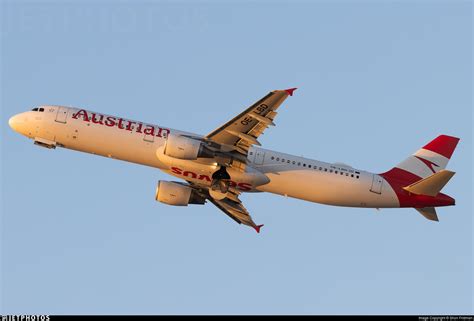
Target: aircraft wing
x=242 y=131
x=236 y=211
x=231 y=205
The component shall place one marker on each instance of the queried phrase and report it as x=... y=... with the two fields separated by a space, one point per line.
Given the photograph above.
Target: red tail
x=443 y=145
x=428 y=160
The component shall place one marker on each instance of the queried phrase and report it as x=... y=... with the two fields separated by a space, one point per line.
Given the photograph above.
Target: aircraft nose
x=15 y=123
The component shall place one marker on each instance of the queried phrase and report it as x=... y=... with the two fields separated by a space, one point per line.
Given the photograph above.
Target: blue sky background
x=377 y=80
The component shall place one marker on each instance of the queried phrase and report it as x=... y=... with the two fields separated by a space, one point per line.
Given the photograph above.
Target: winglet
x=258 y=227
x=290 y=91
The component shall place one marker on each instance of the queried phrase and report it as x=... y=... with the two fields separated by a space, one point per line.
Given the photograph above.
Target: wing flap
x=236 y=211
x=264 y=120
x=252 y=140
x=243 y=130
x=231 y=205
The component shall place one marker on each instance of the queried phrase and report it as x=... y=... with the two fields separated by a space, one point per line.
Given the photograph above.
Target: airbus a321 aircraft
x=221 y=165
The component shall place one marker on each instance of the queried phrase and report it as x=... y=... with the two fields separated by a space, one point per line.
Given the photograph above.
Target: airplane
x=229 y=161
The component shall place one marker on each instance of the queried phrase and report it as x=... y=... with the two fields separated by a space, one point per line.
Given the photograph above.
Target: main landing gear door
x=61 y=116
x=377 y=182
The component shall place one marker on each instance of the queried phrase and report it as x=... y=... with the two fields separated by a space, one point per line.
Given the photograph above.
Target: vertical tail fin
x=430 y=159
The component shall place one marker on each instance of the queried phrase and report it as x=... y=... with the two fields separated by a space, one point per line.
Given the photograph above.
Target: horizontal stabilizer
x=431 y=185
x=429 y=213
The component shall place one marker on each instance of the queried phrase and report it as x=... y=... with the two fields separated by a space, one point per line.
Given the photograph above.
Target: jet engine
x=177 y=194
x=186 y=148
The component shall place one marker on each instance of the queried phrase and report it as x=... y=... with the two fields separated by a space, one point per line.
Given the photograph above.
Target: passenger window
x=299 y=164
x=325 y=169
x=288 y=161
x=357 y=176
x=309 y=166
x=352 y=175
x=278 y=159
x=273 y=158
x=335 y=172
x=294 y=162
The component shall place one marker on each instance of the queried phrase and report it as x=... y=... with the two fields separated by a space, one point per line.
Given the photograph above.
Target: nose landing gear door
x=61 y=115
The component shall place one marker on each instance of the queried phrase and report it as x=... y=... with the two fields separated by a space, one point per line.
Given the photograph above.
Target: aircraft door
x=377 y=182
x=259 y=157
x=61 y=115
x=150 y=138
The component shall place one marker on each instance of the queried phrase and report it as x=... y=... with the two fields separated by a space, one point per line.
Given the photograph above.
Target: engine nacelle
x=177 y=194
x=185 y=148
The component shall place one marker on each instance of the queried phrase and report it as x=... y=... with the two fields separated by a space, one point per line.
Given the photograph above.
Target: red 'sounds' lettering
x=176 y=170
x=190 y=174
x=121 y=123
x=179 y=171
x=204 y=178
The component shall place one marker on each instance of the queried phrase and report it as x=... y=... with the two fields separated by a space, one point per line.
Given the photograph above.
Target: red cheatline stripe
x=443 y=145
x=400 y=177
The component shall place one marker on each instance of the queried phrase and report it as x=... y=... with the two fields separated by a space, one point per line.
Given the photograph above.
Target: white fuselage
x=141 y=143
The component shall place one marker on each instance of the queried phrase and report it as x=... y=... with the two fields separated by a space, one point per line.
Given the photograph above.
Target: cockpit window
x=35 y=109
x=41 y=109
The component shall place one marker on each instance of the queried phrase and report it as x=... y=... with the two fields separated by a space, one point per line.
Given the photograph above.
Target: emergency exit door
x=149 y=137
x=259 y=157
x=377 y=182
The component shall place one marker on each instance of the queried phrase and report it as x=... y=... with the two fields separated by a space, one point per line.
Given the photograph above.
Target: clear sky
x=83 y=234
